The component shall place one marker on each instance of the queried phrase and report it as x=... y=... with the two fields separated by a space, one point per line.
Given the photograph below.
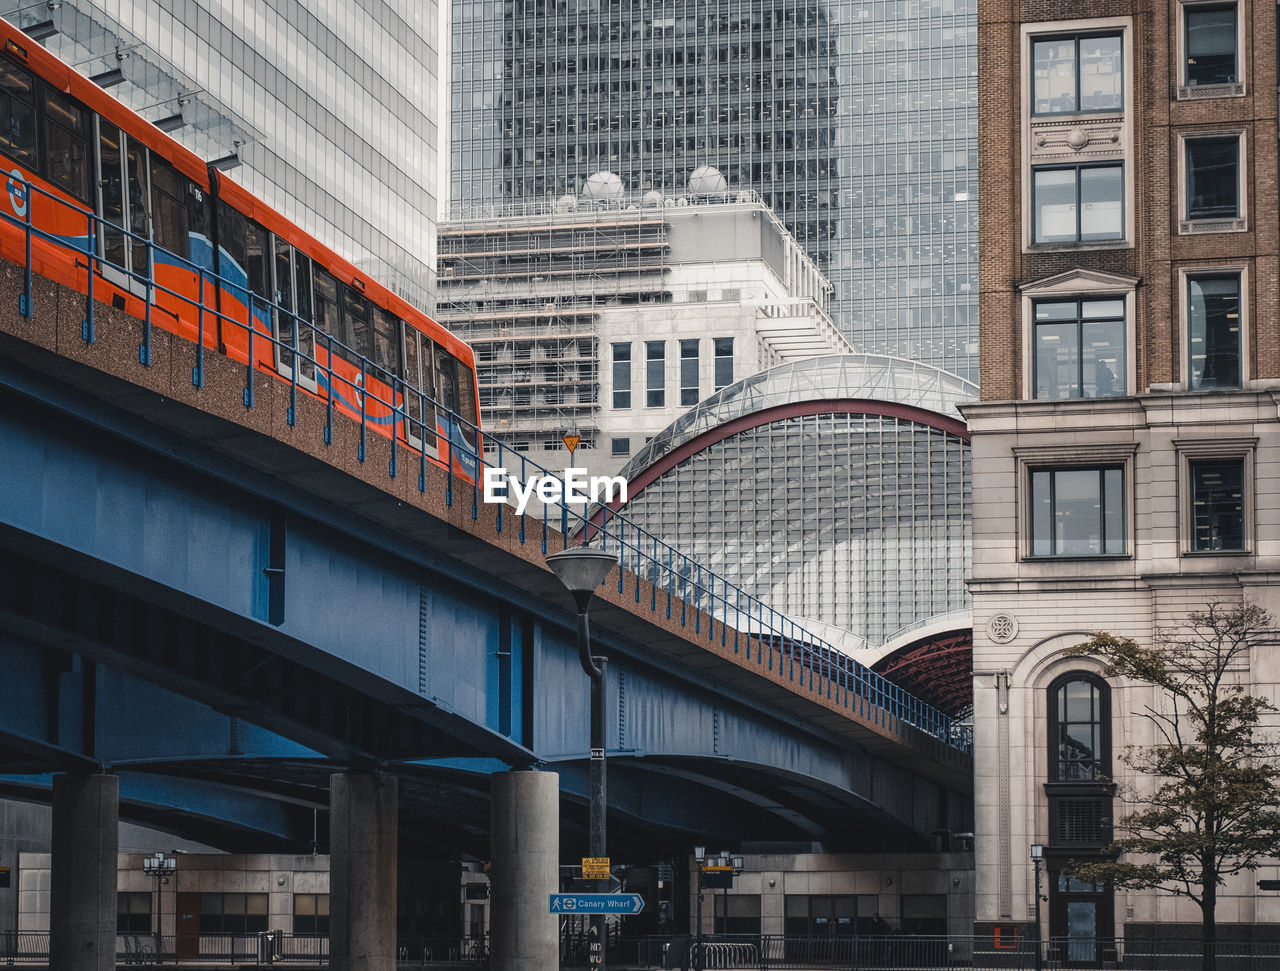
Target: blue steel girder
x=227 y=816
x=182 y=568
x=657 y=715
x=77 y=714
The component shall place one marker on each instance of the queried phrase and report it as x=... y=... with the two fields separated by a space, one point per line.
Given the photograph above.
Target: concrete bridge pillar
x=363 y=816
x=525 y=851
x=82 y=904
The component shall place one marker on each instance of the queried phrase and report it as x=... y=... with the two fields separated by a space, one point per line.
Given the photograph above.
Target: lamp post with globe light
x=582 y=570
x=161 y=867
x=1037 y=858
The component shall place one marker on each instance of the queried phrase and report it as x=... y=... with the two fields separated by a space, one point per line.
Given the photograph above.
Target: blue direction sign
x=596 y=903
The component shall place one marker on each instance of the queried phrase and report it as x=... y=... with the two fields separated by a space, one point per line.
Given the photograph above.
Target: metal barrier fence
x=678 y=586
x=24 y=947
x=266 y=947
x=897 y=952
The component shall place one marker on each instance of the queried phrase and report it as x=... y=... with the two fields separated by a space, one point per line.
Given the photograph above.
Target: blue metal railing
x=717 y=610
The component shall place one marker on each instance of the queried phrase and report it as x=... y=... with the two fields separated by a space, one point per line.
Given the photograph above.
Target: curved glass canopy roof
x=835 y=489
x=858 y=376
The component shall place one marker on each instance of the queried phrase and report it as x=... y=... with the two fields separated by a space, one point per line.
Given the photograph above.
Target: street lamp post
x=723 y=869
x=1037 y=858
x=161 y=867
x=581 y=570
x=699 y=857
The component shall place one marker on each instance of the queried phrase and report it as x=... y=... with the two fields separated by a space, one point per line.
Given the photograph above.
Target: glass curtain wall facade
x=330 y=107
x=851 y=508
x=856 y=121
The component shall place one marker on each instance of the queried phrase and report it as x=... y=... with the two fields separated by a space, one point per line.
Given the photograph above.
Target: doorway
x=188 y=926
x=1081 y=920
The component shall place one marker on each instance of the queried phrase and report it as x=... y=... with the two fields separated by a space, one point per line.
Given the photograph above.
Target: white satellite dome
x=707 y=180
x=567 y=203
x=602 y=187
x=651 y=199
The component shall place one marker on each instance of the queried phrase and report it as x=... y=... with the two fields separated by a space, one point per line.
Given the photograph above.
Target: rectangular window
x=17 y=114
x=1079 y=348
x=924 y=913
x=1077 y=512
x=386 y=343
x=1077 y=203
x=133 y=912
x=1210 y=44
x=354 y=332
x=1217 y=505
x=737 y=913
x=1213 y=331
x=689 y=372
x=233 y=913
x=724 y=362
x=1213 y=178
x=655 y=370
x=822 y=915
x=169 y=209
x=622 y=375
x=620 y=447
x=311 y=913
x=66 y=143
x=1075 y=75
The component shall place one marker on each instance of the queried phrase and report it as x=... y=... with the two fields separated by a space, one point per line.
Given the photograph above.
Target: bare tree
x=1214 y=810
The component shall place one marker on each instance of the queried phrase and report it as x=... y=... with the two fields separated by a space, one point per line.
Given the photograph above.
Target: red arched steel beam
x=937 y=669
x=767 y=416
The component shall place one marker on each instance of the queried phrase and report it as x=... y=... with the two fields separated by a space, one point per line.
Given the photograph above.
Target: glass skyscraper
x=856 y=121
x=326 y=111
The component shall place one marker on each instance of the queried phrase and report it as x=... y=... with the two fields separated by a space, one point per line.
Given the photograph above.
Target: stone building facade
x=1126 y=446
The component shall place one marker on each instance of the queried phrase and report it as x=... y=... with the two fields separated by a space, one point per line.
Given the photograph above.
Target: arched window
x=1080 y=728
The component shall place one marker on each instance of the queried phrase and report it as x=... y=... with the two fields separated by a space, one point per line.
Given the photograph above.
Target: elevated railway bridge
x=223 y=593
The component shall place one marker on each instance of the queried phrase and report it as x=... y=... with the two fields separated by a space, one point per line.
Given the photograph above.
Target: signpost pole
x=581 y=570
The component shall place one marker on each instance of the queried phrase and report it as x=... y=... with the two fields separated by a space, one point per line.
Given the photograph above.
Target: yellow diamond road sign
x=595 y=868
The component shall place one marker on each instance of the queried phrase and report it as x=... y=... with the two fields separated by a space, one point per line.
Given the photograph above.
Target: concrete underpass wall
x=25 y=828
x=922 y=893
x=455 y=895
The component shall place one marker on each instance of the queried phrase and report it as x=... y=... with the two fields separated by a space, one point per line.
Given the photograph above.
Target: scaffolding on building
x=528 y=285
x=525 y=288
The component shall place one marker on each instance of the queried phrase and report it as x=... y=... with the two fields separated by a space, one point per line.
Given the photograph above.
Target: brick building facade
x=1126 y=447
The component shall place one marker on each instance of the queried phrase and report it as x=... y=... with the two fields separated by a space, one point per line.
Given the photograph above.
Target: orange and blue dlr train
x=92 y=188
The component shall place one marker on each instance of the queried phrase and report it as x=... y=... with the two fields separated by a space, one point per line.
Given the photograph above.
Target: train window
x=302 y=269
x=410 y=372
x=355 y=323
x=17 y=114
x=199 y=243
x=135 y=160
x=168 y=192
x=256 y=255
x=386 y=328
x=65 y=143
x=466 y=395
x=112 y=189
x=447 y=379
x=326 y=304
x=284 y=276
x=417 y=374
x=231 y=232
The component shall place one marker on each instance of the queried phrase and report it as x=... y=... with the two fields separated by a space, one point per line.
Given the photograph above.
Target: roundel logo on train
x=18 y=192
